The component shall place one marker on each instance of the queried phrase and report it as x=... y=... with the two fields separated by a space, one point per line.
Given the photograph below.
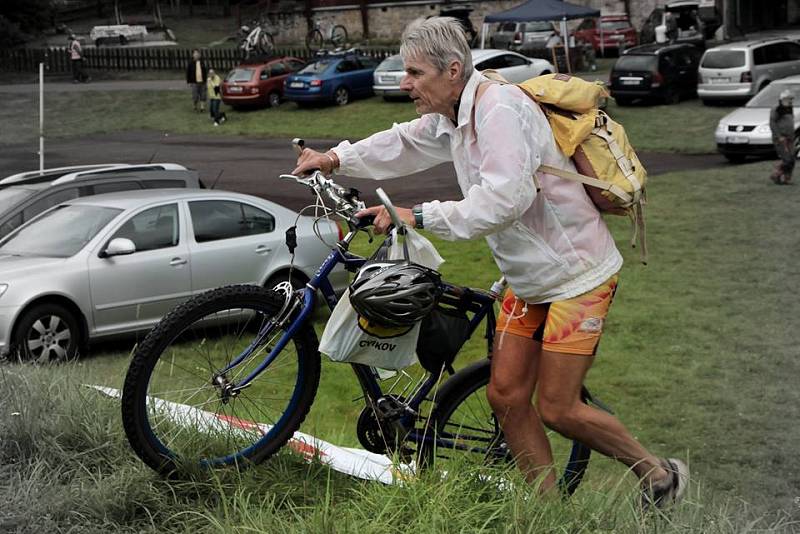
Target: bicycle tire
x=167 y=359
x=466 y=389
x=338 y=35
x=314 y=40
x=266 y=43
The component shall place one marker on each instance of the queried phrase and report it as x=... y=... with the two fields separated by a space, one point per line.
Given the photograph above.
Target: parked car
x=616 y=32
x=114 y=264
x=332 y=78
x=739 y=70
x=514 y=67
x=387 y=78
x=23 y=200
x=259 y=84
x=663 y=72
x=48 y=175
x=516 y=35
x=746 y=132
x=691 y=28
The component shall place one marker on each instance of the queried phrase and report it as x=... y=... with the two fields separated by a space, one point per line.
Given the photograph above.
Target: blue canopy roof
x=543 y=10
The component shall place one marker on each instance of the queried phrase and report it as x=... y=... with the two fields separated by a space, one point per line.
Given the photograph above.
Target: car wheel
x=341 y=96
x=47 y=333
x=274 y=100
x=622 y=101
x=735 y=158
x=672 y=97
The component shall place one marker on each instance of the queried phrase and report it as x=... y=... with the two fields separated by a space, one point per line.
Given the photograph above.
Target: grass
x=699 y=360
x=688 y=127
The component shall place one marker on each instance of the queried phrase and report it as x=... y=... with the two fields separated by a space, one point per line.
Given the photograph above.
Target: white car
x=514 y=67
x=746 y=132
x=114 y=264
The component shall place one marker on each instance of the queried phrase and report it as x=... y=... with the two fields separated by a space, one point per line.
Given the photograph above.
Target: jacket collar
x=465 y=105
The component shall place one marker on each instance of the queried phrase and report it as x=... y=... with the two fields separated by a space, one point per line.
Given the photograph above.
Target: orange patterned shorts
x=572 y=326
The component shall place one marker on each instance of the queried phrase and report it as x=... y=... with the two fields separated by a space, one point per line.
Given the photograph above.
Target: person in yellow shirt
x=215 y=97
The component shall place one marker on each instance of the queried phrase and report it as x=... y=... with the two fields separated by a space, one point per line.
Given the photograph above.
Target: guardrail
x=57 y=60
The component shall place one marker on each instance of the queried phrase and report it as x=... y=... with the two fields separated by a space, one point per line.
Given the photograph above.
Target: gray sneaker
x=670 y=491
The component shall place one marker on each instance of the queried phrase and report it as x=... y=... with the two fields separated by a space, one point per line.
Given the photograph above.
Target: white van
x=739 y=70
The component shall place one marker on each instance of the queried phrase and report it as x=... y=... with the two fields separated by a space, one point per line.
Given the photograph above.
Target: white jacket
x=551 y=245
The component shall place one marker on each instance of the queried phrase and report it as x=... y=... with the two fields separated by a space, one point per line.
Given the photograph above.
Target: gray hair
x=440 y=41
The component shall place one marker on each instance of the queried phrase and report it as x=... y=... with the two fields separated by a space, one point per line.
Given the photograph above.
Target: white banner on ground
x=351 y=461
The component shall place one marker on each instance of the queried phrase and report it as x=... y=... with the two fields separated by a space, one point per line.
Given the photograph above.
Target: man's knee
x=507 y=398
x=557 y=414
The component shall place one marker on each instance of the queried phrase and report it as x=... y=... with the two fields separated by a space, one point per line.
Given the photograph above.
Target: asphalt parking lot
x=252 y=165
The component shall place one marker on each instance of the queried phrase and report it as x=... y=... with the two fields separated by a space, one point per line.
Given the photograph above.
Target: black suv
x=661 y=72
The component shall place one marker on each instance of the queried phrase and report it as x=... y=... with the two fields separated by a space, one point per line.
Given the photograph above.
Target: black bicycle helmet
x=395 y=294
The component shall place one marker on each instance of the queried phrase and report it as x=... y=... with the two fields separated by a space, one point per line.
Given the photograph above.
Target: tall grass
x=699 y=360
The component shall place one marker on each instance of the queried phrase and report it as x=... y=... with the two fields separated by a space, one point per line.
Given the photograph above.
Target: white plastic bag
x=346 y=340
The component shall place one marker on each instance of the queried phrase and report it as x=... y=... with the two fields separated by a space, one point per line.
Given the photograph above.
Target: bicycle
x=235 y=355
x=257 y=40
x=325 y=31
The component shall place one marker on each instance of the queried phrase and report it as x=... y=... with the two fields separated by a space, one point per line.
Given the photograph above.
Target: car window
x=163 y=184
x=61 y=232
x=496 y=62
x=113 y=187
x=264 y=74
x=347 y=65
x=11 y=224
x=226 y=219
x=777 y=53
x=294 y=65
x=723 y=59
x=11 y=196
x=391 y=63
x=793 y=50
x=513 y=61
x=316 y=67
x=278 y=69
x=152 y=229
x=685 y=58
x=508 y=27
x=368 y=62
x=638 y=63
x=667 y=60
x=587 y=24
x=48 y=202
x=239 y=75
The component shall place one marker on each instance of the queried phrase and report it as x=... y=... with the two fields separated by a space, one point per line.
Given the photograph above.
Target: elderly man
x=551 y=244
x=781 y=123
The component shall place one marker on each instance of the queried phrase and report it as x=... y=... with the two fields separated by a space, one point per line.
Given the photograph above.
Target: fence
x=57 y=60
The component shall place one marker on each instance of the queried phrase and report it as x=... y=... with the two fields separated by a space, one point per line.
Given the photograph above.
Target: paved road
x=251 y=165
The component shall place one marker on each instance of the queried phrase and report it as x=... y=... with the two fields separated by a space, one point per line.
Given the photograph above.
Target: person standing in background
x=781 y=122
x=215 y=97
x=196 y=77
x=76 y=60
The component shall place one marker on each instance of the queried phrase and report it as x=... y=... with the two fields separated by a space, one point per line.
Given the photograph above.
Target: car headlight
x=721 y=127
x=3 y=288
x=764 y=128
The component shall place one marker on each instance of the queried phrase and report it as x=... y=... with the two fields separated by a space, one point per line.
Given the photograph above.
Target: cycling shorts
x=571 y=326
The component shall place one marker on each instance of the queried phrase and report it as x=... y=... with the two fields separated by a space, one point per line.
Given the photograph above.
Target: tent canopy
x=543 y=10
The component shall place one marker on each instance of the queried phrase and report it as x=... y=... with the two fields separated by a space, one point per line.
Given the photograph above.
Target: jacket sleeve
x=399 y=151
x=506 y=189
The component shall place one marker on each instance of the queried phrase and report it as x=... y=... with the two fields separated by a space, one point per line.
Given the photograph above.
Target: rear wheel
x=338 y=35
x=314 y=41
x=341 y=96
x=464 y=424
x=274 y=99
x=180 y=408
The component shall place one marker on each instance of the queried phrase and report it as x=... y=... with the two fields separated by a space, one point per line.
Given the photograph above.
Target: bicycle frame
x=480 y=304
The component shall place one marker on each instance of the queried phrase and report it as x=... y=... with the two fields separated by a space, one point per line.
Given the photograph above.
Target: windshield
x=723 y=59
x=391 y=63
x=768 y=98
x=647 y=63
x=11 y=196
x=59 y=233
x=316 y=67
x=611 y=25
x=239 y=75
x=538 y=27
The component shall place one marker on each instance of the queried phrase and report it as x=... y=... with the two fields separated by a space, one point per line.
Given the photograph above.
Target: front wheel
x=179 y=406
x=342 y=96
x=265 y=43
x=464 y=424
x=46 y=333
x=314 y=41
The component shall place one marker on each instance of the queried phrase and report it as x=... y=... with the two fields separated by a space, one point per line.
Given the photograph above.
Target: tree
x=20 y=18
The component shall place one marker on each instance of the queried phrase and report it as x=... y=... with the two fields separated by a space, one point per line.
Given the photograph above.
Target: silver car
x=387 y=78
x=114 y=264
x=738 y=70
x=745 y=131
x=518 y=35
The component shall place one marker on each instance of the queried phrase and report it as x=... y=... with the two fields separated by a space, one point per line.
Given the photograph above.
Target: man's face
x=196 y=55
x=430 y=89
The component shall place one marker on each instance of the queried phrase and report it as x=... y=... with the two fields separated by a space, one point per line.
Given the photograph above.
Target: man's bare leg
x=510 y=393
x=560 y=407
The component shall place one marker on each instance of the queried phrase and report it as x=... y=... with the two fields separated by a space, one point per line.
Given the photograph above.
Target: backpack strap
x=588 y=180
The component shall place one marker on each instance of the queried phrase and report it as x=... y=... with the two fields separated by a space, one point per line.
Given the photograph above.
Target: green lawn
x=688 y=127
x=699 y=360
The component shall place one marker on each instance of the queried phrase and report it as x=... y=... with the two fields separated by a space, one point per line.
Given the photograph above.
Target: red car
x=259 y=83
x=617 y=30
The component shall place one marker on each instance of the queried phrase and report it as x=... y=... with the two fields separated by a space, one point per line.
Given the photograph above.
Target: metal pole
x=484 y=29
x=41 y=117
x=565 y=36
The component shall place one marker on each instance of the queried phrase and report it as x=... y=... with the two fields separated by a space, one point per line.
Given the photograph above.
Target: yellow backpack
x=606 y=163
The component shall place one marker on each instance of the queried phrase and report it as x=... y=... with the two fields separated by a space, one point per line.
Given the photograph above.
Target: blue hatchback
x=335 y=79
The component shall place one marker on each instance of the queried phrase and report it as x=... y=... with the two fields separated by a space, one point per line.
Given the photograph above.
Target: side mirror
x=119 y=246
